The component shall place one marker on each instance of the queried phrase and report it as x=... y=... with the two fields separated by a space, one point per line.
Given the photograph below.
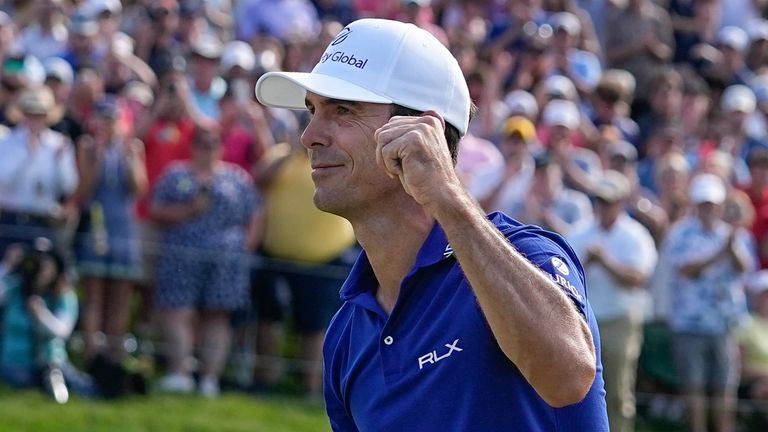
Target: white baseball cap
x=734 y=37
x=706 y=187
x=378 y=61
x=523 y=103
x=738 y=97
x=560 y=112
x=238 y=53
x=566 y=21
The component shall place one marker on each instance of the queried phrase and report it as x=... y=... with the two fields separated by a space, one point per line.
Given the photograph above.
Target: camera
x=34 y=258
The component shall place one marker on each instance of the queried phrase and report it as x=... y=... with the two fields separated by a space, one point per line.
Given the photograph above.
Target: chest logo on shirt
x=432 y=357
x=560 y=266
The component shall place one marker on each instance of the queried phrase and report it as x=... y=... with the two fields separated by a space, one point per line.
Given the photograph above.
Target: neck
x=392 y=238
x=204 y=167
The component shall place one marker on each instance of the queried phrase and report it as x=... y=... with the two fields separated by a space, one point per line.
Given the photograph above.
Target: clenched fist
x=414 y=150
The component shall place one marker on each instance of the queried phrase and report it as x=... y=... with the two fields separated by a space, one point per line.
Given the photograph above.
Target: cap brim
x=289 y=89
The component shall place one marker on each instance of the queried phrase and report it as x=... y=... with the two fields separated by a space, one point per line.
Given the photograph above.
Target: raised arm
x=534 y=322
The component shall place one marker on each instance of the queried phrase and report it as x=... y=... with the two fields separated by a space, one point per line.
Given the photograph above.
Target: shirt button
x=388 y=340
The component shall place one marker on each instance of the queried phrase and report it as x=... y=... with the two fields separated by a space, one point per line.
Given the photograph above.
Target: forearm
x=625 y=274
x=171 y=214
x=535 y=324
x=60 y=327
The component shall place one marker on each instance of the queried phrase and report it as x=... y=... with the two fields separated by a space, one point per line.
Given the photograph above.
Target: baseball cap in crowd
x=36 y=100
x=622 y=149
x=94 y=8
x=612 y=186
x=566 y=21
x=207 y=46
x=83 y=25
x=379 y=61
x=59 y=69
x=738 y=98
x=733 y=37
x=521 y=126
x=706 y=187
x=521 y=102
x=558 y=86
x=238 y=53
x=559 y=112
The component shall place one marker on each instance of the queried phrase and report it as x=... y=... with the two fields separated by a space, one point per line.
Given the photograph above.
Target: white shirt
x=43 y=45
x=34 y=182
x=627 y=242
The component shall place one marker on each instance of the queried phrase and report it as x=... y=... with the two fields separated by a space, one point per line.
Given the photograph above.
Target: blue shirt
x=433 y=363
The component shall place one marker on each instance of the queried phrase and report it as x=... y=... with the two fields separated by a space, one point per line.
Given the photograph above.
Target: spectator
x=757 y=160
x=587 y=38
x=81 y=50
x=562 y=123
x=708 y=258
x=580 y=66
x=112 y=174
x=619 y=256
x=732 y=69
x=641 y=203
x=610 y=104
x=548 y=202
x=37 y=171
x=517 y=148
x=210 y=218
x=737 y=104
x=753 y=344
x=206 y=87
x=245 y=132
x=666 y=98
x=40 y=313
x=59 y=77
x=639 y=39
x=48 y=36
x=299 y=19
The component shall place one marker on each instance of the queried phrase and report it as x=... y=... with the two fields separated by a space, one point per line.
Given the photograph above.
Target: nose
x=314 y=135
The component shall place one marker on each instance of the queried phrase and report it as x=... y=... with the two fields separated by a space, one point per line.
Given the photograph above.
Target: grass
x=30 y=410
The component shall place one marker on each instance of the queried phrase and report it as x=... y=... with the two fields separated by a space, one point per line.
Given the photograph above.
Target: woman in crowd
x=209 y=216
x=108 y=251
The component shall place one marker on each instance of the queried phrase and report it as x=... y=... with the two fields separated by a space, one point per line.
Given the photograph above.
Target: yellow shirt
x=296 y=230
x=753 y=337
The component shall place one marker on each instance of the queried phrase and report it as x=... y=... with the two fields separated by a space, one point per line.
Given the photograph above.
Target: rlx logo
x=432 y=357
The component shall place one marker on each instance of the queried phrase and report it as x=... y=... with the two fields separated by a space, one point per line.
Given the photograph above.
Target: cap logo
x=342 y=36
x=342 y=57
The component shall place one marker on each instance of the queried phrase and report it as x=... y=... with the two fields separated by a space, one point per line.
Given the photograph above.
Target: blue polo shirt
x=433 y=363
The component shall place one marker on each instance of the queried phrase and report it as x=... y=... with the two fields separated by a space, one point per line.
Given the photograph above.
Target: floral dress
x=202 y=262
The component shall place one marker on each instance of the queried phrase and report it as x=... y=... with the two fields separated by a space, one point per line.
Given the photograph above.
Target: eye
x=341 y=109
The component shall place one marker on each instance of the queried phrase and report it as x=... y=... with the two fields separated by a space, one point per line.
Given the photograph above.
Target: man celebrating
x=451 y=320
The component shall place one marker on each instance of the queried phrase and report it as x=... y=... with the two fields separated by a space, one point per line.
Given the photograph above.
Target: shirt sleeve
x=552 y=255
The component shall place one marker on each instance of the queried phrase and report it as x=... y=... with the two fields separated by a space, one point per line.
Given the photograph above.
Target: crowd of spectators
x=637 y=129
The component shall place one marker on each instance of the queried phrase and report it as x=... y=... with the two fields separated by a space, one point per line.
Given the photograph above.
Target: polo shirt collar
x=361 y=283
